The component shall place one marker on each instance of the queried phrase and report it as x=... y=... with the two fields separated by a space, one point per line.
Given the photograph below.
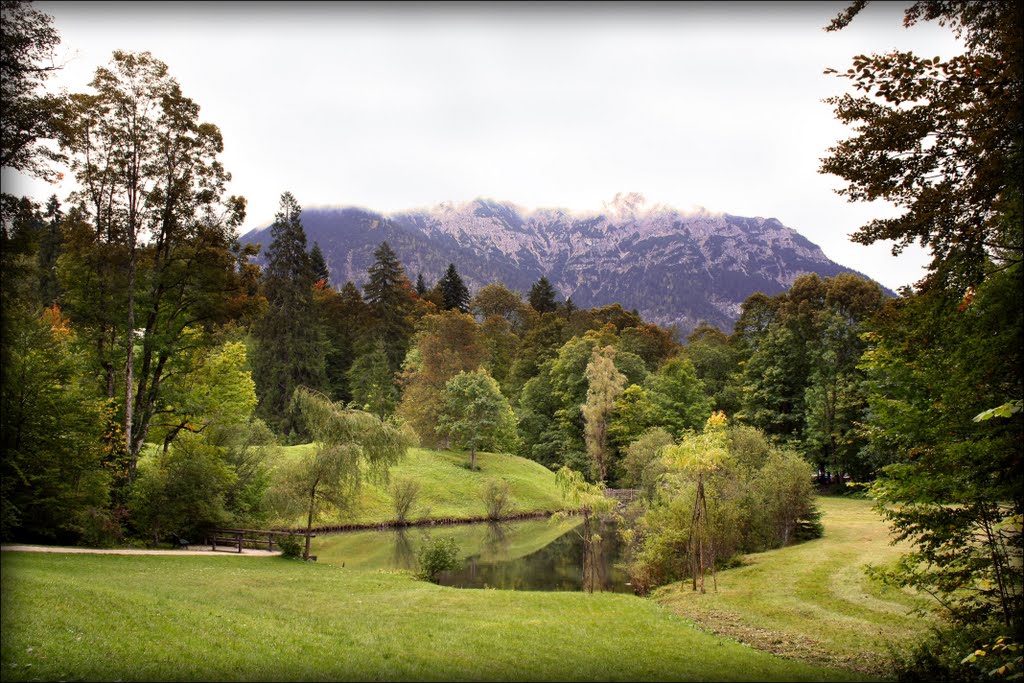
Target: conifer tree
x=542 y=296
x=390 y=297
x=421 y=286
x=320 y=270
x=454 y=293
x=289 y=342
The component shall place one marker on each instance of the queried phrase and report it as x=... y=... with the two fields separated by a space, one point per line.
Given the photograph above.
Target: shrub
x=404 y=492
x=435 y=556
x=496 y=498
x=291 y=547
x=100 y=528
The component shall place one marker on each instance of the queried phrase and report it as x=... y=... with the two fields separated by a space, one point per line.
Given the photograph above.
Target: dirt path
x=249 y=552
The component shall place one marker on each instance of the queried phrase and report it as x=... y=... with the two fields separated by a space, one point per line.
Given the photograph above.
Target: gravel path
x=249 y=552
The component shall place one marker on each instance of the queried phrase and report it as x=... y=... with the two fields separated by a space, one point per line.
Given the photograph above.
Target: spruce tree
x=542 y=296
x=421 y=286
x=289 y=349
x=390 y=297
x=454 y=293
x=319 y=265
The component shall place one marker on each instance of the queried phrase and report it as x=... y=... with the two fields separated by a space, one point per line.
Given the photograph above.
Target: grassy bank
x=813 y=601
x=448 y=489
x=103 y=617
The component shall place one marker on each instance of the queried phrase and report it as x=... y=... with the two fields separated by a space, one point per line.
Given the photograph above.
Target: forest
x=152 y=370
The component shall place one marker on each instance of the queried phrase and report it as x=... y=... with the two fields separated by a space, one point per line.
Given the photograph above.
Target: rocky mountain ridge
x=675 y=268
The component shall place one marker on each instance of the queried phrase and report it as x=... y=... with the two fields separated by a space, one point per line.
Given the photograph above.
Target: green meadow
x=448 y=488
x=805 y=612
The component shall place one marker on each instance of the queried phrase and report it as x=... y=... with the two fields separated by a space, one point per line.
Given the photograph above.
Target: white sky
x=394 y=107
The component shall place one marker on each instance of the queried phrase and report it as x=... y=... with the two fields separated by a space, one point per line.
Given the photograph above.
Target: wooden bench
x=235 y=539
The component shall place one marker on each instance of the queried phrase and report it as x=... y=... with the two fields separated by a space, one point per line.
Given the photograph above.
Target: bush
x=496 y=498
x=291 y=547
x=435 y=556
x=404 y=492
x=100 y=528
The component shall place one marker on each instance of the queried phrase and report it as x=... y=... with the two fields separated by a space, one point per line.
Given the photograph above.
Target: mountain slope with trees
x=673 y=267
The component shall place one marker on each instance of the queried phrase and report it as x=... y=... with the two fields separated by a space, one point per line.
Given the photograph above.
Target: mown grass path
x=813 y=601
x=116 y=617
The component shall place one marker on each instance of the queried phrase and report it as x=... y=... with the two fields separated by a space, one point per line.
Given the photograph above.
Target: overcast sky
x=391 y=107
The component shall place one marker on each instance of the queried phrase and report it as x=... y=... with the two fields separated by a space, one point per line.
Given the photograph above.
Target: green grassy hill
x=448 y=489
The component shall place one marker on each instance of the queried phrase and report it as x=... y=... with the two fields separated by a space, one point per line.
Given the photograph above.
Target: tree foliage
x=476 y=414
x=27 y=44
x=348 y=445
x=289 y=344
x=941 y=139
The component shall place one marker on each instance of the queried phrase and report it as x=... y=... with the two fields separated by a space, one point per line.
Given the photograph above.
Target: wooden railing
x=235 y=539
x=623 y=495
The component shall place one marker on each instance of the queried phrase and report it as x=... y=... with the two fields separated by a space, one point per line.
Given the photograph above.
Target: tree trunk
x=309 y=522
x=129 y=368
x=472 y=457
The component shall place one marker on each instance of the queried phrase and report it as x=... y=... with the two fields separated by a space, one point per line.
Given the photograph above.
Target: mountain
x=673 y=267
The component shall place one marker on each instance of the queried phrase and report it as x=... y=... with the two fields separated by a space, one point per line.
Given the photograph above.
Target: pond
x=535 y=554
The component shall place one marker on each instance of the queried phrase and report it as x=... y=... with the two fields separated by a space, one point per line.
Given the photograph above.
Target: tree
x=448 y=343
x=27 y=44
x=679 y=396
x=942 y=140
x=373 y=383
x=634 y=412
x=51 y=430
x=589 y=500
x=939 y=139
x=321 y=273
x=700 y=455
x=716 y=362
x=604 y=385
x=390 y=297
x=214 y=387
x=952 y=486
x=345 y=319
x=289 y=345
x=153 y=188
x=347 y=445
x=542 y=296
x=475 y=413
x=454 y=294
x=497 y=300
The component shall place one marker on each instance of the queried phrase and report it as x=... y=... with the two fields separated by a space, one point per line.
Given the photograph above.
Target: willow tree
x=348 y=445
x=697 y=456
x=589 y=500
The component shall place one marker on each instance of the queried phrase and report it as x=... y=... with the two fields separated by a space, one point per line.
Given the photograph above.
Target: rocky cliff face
x=673 y=267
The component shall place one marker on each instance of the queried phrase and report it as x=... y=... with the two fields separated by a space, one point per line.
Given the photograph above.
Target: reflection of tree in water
x=496 y=540
x=403 y=555
x=593 y=563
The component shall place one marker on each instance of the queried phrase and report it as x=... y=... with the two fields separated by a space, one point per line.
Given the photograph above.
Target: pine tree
x=421 y=286
x=390 y=296
x=320 y=270
x=542 y=296
x=289 y=341
x=454 y=292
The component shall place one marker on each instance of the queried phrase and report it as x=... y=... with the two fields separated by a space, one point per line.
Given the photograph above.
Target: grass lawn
x=112 y=617
x=813 y=601
x=448 y=489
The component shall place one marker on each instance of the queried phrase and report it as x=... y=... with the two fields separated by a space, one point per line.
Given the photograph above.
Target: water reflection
x=524 y=555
